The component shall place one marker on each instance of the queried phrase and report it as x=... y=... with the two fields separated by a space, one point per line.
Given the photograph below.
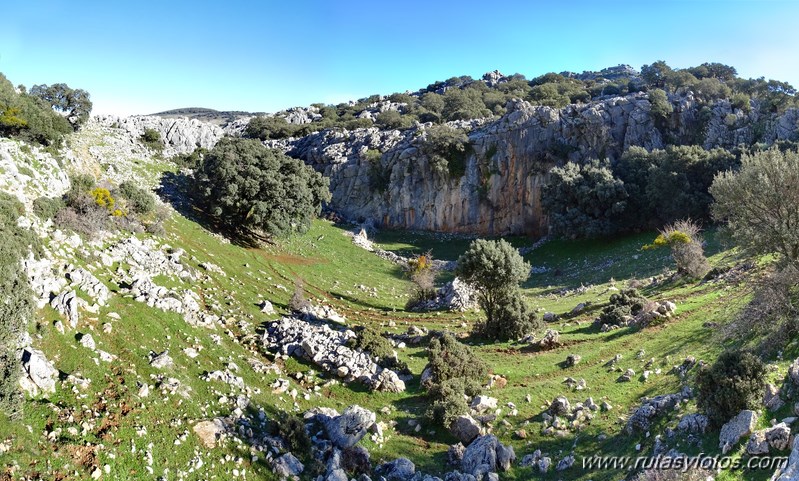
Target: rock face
x=400 y=469
x=791 y=471
x=350 y=426
x=738 y=427
x=504 y=174
x=287 y=466
x=39 y=374
x=327 y=348
x=180 y=136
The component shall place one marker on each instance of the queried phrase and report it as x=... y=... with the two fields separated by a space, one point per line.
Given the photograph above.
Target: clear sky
x=147 y=56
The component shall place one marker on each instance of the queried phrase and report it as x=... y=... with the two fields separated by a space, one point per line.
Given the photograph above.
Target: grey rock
x=350 y=427
x=465 y=429
x=778 y=436
x=287 y=466
x=738 y=427
x=67 y=304
x=485 y=455
x=400 y=469
x=693 y=423
x=757 y=444
x=87 y=341
x=162 y=360
x=39 y=374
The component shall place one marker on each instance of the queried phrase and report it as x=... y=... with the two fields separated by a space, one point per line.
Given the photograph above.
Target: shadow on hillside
x=177 y=189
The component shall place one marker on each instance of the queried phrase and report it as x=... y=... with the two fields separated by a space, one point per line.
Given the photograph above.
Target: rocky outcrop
x=180 y=136
x=328 y=349
x=509 y=160
x=487 y=455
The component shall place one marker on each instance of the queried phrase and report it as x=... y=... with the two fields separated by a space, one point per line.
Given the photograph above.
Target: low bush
x=513 y=319
x=628 y=302
x=447 y=150
x=152 y=139
x=733 y=383
x=422 y=273
x=139 y=200
x=370 y=340
x=47 y=207
x=292 y=429
x=454 y=371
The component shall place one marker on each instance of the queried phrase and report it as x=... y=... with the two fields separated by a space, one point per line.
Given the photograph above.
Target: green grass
x=335 y=272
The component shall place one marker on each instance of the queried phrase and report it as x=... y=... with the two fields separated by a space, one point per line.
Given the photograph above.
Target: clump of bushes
x=733 y=383
x=453 y=373
x=191 y=160
x=447 y=149
x=87 y=208
x=152 y=139
x=47 y=207
x=628 y=302
x=17 y=307
x=291 y=429
x=370 y=340
x=683 y=238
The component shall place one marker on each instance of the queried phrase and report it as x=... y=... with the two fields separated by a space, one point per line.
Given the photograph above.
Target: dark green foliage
x=656 y=75
x=291 y=428
x=661 y=107
x=140 y=201
x=584 y=201
x=455 y=371
x=678 y=182
x=29 y=117
x=392 y=119
x=447 y=401
x=264 y=128
x=464 y=104
x=554 y=90
x=258 y=190
x=512 y=319
x=667 y=185
x=370 y=340
x=192 y=160
x=74 y=104
x=152 y=139
x=495 y=269
x=379 y=175
x=17 y=308
x=447 y=150
x=47 y=207
x=628 y=302
x=733 y=383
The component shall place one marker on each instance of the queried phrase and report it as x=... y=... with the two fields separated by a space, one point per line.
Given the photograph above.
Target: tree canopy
x=259 y=190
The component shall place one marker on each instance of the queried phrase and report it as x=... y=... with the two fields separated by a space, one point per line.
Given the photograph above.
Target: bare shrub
x=773 y=314
x=684 y=239
x=422 y=272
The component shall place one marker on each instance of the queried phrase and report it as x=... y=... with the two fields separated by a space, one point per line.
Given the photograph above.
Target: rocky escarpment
x=501 y=189
x=180 y=135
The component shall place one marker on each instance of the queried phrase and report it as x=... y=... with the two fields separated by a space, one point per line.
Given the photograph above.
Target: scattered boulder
x=778 y=436
x=350 y=426
x=738 y=427
x=162 y=360
x=550 y=317
x=550 y=340
x=38 y=374
x=572 y=360
x=485 y=455
x=87 y=341
x=560 y=406
x=400 y=469
x=628 y=376
x=565 y=463
x=771 y=398
x=757 y=444
x=465 y=429
x=693 y=423
x=482 y=404
x=210 y=431
x=67 y=304
x=287 y=466
x=267 y=307
x=642 y=418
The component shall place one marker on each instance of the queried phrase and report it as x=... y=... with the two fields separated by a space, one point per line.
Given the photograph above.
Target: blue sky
x=149 y=56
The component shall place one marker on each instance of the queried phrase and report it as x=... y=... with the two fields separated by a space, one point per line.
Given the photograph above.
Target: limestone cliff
x=500 y=191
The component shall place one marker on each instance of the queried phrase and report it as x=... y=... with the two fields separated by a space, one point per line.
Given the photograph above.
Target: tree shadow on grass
x=178 y=190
